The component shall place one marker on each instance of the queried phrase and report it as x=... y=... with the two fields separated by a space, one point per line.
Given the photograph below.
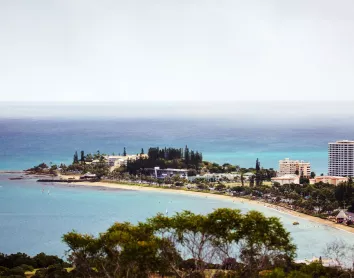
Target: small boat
x=296 y=223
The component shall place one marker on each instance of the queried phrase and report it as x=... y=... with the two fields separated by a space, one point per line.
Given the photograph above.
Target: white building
x=120 y=160
x=287 y=179
x=341 y=158
x=165 y=173
x=290 y=167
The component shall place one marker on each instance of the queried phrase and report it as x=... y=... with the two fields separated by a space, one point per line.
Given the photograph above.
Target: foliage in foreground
x=224 y=243
x=184 y=245
x=15 y=265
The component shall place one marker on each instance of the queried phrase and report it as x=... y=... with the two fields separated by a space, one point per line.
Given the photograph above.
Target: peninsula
x=185 y=172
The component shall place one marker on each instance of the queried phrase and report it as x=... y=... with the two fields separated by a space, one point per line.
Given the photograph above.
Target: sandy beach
x=329 y=223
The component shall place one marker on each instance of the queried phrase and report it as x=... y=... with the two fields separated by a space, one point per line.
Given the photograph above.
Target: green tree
x=242 y=179
x=154 y=247
x=252 y=178
x=125 y=250
x=259 y=174
x=124 y=152
x=76 y=158
x=220 y=187
x=265 y=243
x=82 y=158
x=100 y=169
x=186 y=155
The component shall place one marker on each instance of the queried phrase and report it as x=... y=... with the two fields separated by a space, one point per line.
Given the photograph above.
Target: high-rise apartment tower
x=341 y=158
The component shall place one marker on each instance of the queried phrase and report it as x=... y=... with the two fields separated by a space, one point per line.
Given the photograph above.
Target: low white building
x=164 y=173
x=120 y=160
x=88 y=176
x=248 y=175
x=329 y=179
x=287 y=179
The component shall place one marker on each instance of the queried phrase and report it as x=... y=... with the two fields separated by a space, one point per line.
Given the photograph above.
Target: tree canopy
x=165 y=244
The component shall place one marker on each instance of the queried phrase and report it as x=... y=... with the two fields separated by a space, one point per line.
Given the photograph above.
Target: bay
x=33 y=221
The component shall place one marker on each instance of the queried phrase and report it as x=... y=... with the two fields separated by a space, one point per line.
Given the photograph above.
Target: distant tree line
x=167 y=158
x=319 y=198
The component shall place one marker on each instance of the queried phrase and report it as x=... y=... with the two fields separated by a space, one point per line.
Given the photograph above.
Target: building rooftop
x=167 y=169
x=342 y=142
x=286 y=160
x=330 y=177
x=286 y=177
x=342 y=215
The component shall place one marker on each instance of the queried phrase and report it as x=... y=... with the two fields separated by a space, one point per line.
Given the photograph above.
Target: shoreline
x=113 y=185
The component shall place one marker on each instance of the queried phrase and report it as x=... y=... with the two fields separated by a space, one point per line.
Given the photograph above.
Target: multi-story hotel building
x=299 y=167
x=341 y=158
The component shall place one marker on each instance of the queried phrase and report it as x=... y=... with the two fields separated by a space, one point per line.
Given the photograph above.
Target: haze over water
x=234 y=132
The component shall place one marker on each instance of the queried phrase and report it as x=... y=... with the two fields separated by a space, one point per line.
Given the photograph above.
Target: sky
x=176 y=50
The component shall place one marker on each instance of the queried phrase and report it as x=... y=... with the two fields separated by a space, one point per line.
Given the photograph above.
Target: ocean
x=33 y=221
x=28 y=142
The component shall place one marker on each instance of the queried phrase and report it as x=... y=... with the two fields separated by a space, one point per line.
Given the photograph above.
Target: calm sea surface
x=32 y=221
x=24 y=143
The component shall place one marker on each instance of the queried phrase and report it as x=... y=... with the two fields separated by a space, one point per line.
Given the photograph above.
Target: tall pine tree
x=82 y=158
x=258 y=177
x=186 y=155
x=76 y=158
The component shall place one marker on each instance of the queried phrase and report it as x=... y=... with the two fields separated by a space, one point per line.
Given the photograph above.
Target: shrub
x=16 y=271
x=3 y=270
x=26 y=267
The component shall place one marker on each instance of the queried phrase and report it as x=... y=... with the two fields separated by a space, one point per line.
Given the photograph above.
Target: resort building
x=329 y=179
x=298 y=167
x=120 y=160
x=341 y=158
x=287 y=179
x=158 y=173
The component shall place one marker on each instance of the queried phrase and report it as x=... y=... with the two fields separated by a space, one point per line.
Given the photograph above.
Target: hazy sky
x=84 y=50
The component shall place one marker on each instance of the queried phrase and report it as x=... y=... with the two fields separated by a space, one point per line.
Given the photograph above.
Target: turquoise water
x=28 y=142
x=32 y=221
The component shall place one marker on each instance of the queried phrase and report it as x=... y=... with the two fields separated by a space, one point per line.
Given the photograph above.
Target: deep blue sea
x=32 y=221
x=24 y=143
